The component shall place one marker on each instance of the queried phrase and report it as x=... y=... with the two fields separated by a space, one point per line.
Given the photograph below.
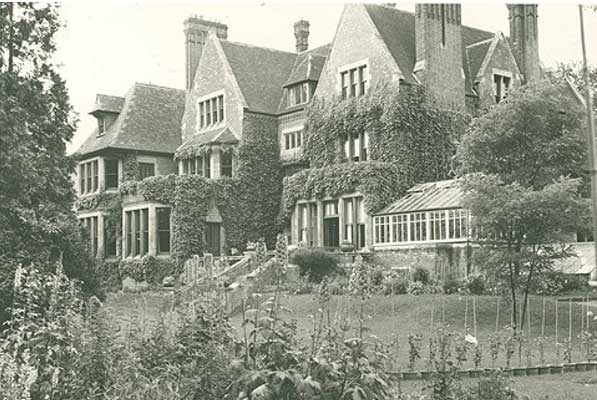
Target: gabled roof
x=149 y=120
x=476 y=54
x=107 y=103
x=308 y=65
x=428 y=196
x=397 y=29
x=260 y=73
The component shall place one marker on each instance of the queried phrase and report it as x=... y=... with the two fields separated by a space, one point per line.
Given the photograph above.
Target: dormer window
x=211 y=111
x=298 y=94
x=354 y=80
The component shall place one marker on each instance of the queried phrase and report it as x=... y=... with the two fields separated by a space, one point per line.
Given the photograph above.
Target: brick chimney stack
x=438 y=36
x=524 y=39
x=301 y=33
x=196 y=30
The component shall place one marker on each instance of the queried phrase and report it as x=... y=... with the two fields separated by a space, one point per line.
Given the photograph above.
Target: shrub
x=476 y=285
x=420 y=274
x=338 y=284
x=394 y=283
x=150 y=269
x=108 y=273
x=415 y=288
x=452 y=285
x=315 y=263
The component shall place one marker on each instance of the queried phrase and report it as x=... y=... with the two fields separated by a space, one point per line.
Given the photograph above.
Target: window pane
x=287 y=141
x=192 y=167
x=111 y=173
x=82 y=178
x=145 y=227
x=226 y=163
x=221 y=103
x=109 y=239
x=95 y=175
x=88 y=174
x=214 y=108
x=146 y=170
x=208 y=165
x=208 y=112
x=137 y=229
x=129 y=232
x=163 y=222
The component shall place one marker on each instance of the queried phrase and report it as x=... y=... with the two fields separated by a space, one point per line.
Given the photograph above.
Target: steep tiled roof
x=397 y=30
x=308 y=65
x=260 y=73
x=428 y=196
x=149 y=120
x=476 y=54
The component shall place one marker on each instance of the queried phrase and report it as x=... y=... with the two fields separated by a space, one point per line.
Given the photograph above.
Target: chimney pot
x=301 y=33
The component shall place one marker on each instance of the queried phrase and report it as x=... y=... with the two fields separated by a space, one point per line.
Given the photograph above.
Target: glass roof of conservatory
x=428 y=196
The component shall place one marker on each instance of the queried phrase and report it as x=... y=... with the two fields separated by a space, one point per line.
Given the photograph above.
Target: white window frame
x=347 y=68
x=99 y=176
x=207 y=99
x=152 y=230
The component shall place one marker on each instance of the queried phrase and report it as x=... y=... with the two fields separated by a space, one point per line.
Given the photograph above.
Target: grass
x=399 y=316
x=576 y=386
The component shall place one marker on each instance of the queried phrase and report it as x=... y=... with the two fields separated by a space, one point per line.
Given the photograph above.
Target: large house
x=235 y=89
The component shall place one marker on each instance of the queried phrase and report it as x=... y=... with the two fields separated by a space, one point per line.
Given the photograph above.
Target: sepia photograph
x=298 y=200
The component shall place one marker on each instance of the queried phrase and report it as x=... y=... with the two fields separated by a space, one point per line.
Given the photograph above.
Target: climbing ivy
x=411 y=140
x=379 y=183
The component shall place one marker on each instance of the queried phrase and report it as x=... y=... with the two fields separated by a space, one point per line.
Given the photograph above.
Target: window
x=192 y=166
x=501 y=85
x=88 y=177
x=312 y=224
x=136 y=223
x=418 y=229
x=146 y=170
x=293 y=140
x=91 y=225
x=457 y=224
x=400 y=228
x=111 y=173
x=356 y=147
x=226 y=163
x=303 y=223
x=211 y=111
x=382 y=229
x=298 y=94
x=349 y=220
x=330 y=209
x=437 y=225
x=354 y=82
x=443 y=21
x=101 y=126
x=207 y=165
x=110 y=238
x=163 y=219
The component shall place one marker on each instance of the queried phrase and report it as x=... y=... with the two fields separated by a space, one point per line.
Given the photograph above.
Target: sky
x=107 y=46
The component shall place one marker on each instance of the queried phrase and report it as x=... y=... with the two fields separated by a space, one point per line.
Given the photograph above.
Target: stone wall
x=440 y=260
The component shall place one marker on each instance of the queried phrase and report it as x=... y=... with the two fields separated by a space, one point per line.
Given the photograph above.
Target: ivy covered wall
x=411 y=140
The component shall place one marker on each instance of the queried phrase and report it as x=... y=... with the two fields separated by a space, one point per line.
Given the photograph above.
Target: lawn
x=399 y=316
x=576 y=386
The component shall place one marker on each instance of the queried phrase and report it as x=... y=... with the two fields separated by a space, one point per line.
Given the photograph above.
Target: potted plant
x=346 y=246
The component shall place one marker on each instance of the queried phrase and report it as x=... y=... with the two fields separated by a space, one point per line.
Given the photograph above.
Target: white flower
x=471 y=339
x=589 y=313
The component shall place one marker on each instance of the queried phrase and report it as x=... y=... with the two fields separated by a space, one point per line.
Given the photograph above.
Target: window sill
x=210 y=127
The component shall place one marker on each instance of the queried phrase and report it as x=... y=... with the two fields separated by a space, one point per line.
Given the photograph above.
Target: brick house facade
x=233 y=89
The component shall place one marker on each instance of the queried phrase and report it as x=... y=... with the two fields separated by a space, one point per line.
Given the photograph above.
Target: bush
x=476 y=285
x=338 y=285
x=315 y=263
x=395 y=283
x=150 y=269
x=452 y=285
x=376 y=276
x=415 y=288
x=420 y=274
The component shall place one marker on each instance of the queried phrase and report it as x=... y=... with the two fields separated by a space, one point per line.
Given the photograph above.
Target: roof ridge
x=158 y=86
x=258 y=47
x=481 y=42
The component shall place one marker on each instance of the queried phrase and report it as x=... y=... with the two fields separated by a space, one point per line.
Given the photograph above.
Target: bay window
x=88 y=177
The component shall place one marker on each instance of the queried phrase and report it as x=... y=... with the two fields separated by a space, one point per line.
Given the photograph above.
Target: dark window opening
x=111 y=173
x=163 y=219
x=146 y=170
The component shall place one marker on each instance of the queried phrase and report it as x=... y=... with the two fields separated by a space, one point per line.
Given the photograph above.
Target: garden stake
x=529 y=317
x=543 y=319
x=497 y=315
x=443 y=310
x=556 y=322
x=465 y=313
x=569 y=319
x=582 y=316
x=474 y=317
x=432 y=312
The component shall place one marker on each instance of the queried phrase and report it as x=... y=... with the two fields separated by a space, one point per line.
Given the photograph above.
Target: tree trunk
x=10 y=37
x=513 y=294
x=526 y=296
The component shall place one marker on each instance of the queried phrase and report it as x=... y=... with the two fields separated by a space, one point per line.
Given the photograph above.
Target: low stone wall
x=440 y=260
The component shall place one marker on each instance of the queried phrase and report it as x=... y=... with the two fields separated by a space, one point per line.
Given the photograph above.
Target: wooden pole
x=543 y=320
x=529 y=316
x=474 y=317
x=590 y=138
x=556 y=321
x=497 y=315
x=569 y=319
x=465 y=313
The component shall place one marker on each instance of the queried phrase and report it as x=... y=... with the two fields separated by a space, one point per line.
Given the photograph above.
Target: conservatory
x=430 y=213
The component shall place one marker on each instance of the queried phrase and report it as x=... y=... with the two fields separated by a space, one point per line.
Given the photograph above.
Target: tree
x=521 y=230
x=522 y=163
x=36 y=121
